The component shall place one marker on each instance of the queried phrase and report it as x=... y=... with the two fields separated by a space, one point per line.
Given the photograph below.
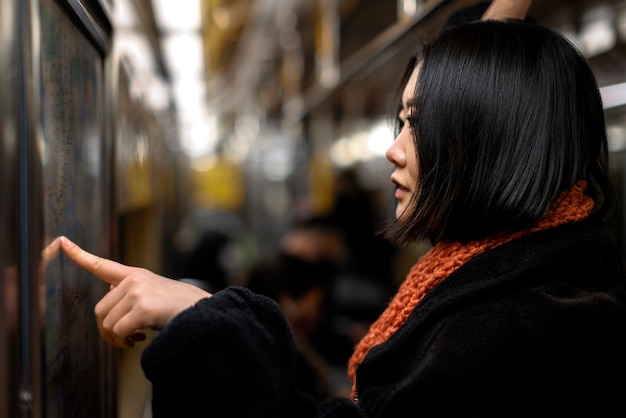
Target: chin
x=401 y=216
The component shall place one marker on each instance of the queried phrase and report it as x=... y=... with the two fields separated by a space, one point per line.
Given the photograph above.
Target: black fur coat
x=535 y=327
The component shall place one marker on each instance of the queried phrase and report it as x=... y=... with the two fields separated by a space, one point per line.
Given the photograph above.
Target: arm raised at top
x=507 y=9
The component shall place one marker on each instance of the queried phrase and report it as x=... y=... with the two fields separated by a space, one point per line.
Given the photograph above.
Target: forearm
x=507 y=9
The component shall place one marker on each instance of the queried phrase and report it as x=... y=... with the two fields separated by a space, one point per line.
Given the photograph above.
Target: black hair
x=508 y=116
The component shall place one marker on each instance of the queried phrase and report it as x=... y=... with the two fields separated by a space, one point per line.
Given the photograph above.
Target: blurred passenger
x=350 y=302
x=316 y=238
x=355 y=297
x=300 y=286
x=213 y=249
x=354 y=215
x=519 y=308
x=205 y=263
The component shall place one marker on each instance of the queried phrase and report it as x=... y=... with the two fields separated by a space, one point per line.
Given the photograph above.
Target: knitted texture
x=445 y=257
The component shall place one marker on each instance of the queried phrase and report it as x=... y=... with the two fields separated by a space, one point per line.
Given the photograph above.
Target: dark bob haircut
x=508 y=116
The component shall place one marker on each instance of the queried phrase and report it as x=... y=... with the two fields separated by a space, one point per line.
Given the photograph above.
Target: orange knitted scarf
x=445 y=257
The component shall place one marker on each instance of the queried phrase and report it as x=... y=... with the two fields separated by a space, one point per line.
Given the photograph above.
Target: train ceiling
x=290 y=57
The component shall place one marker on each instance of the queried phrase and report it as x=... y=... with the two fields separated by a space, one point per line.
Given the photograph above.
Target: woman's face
x=402 y=152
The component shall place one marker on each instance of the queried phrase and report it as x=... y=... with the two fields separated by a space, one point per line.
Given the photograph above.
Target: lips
x=401 y=191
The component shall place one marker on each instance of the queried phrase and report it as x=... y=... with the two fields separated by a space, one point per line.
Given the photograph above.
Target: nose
x=395 y=153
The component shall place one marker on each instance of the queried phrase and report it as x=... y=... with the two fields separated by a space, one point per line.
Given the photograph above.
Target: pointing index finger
x=105 y=269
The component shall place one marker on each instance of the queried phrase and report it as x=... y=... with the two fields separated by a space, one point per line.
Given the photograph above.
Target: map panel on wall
x=76 y=381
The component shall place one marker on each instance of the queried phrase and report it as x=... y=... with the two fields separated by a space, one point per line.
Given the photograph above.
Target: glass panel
x=75 y=185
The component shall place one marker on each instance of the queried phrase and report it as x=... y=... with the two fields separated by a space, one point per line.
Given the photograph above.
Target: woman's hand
x=138 y=299
x=507 y=9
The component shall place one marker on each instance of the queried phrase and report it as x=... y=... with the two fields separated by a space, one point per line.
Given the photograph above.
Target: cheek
x=411 y=162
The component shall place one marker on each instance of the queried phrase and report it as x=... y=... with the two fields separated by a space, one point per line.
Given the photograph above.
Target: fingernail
x=67 y=242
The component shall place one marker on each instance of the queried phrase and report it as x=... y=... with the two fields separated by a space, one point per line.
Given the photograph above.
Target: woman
x=519 y=308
